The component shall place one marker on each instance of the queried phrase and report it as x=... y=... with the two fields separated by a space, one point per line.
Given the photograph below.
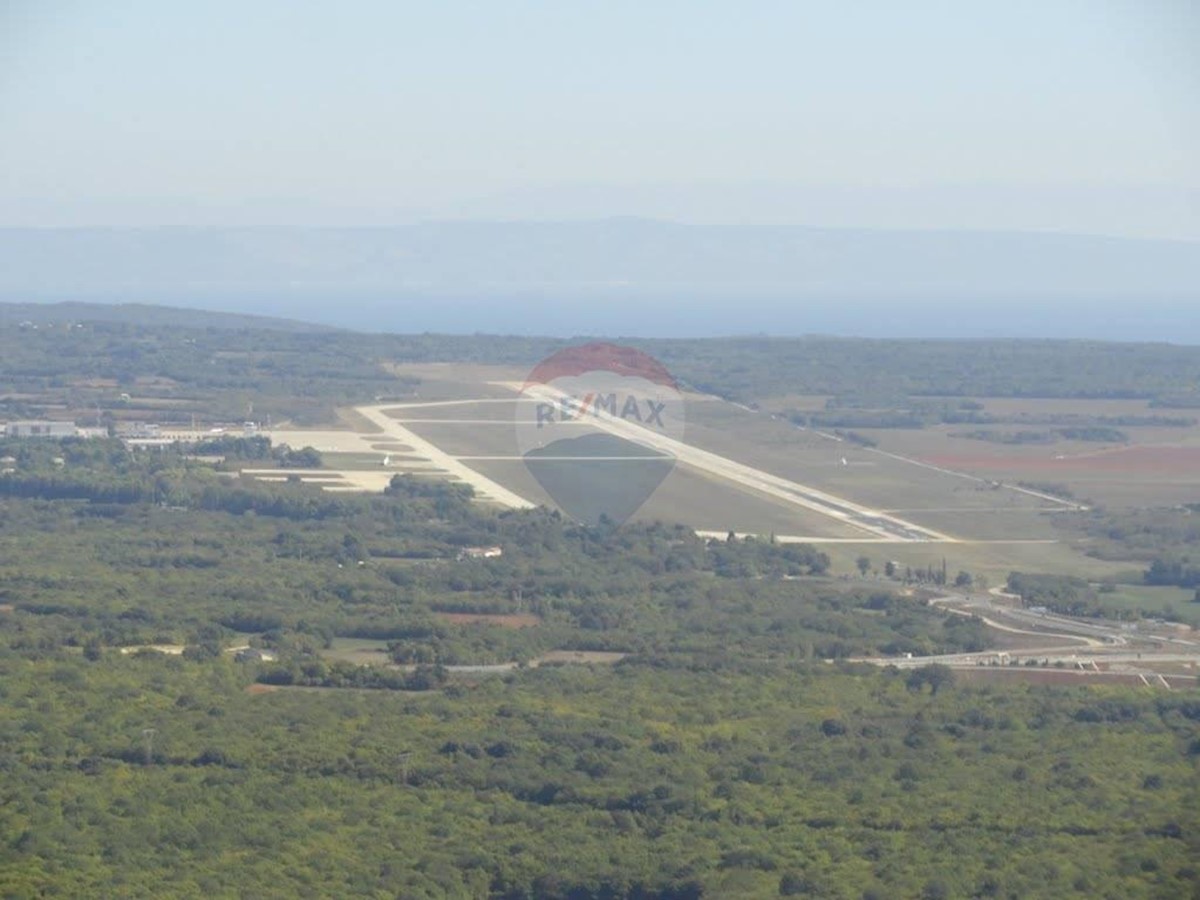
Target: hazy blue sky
x=1081 y=114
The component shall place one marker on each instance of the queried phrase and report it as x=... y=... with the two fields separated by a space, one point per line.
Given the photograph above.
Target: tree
x=939 y=676
x=936 y=676
x=833 y=728
x=889 y=569
x=864 y=564
x=963 y=580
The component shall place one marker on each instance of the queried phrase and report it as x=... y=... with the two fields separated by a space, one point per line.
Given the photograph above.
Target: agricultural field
x=1157 y=465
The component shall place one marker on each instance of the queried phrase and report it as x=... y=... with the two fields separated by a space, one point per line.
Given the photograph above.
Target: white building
x=138 y=430
x=480 y=552
x=39 y=429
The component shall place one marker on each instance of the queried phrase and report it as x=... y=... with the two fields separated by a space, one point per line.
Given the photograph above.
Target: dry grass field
x=1160 y=465
x=458 y=381
x=360 y=651
x=994 y=560
x=500 y=620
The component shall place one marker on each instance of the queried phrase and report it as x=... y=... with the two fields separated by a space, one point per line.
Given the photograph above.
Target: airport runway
x=876 y=523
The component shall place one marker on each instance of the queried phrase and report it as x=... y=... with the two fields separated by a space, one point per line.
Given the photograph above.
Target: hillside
x=146 y=314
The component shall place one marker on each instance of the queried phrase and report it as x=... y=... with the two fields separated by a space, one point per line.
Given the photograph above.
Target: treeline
x=1168 y=534
x=1098 y=434
x=747 y=369
x=258 y=449
x=1063 y=594
x=105 y=472
x=318 y=673
x=236 y=498
x=305 y=375
x=898 y=412
x=210 y=372
x=917 y=413
x=1174 y=572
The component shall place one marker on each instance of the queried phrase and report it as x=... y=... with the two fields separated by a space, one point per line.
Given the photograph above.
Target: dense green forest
x=304 y=374
x=663 y=780
x=723 y=756
x=727 y=746
x=215 y=550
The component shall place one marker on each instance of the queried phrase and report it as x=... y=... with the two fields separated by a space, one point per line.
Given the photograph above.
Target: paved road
x=1024 y=621
x=1101 y=643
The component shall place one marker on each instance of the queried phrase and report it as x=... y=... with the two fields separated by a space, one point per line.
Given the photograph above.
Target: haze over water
x=1170 y=320
x=1049 y=118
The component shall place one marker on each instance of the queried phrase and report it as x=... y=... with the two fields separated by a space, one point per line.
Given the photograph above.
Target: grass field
x=500 y=620
x=450 y=410
x=458 y=381
x=359 y=651
x=993 y=560
x=961 y=507
x=1153 y=601
x=487 y=438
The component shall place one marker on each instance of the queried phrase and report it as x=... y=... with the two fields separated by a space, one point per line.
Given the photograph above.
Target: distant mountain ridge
x=146 y=314
x=617 y=254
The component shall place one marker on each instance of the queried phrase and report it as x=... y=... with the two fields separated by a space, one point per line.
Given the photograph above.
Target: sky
x=1075 y=115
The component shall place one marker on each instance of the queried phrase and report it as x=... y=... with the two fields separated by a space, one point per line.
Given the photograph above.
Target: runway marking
x=976 y=509
x=484 y=486
x=510 y=458
x=428 y=403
